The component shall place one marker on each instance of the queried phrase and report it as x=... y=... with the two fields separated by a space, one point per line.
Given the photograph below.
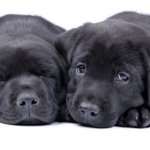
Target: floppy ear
x=146 y=56
x=140 y=116
x=67 y=42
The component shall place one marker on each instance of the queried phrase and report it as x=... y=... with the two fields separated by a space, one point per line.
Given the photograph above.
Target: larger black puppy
x=32 y=73
x=109 y=71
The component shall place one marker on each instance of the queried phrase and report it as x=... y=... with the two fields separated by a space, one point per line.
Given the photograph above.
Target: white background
x=69 y=14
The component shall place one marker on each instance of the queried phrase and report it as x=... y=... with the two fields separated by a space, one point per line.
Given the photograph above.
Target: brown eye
x=123 y=77
x=80 y=69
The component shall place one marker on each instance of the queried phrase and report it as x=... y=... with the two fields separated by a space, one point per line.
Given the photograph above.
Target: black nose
x=88 y=110
x=26 y=99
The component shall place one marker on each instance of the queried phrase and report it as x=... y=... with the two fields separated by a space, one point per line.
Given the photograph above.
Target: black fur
x=119 y=44
x=32 y=73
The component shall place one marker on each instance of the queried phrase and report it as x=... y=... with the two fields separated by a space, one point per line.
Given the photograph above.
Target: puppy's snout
x=27 y=99
x=88 y=110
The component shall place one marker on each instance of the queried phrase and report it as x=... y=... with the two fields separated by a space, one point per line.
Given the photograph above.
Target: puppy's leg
x=135 y=117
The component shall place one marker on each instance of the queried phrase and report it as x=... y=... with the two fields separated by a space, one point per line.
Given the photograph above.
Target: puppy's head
x=107 y=74
x=32 y=83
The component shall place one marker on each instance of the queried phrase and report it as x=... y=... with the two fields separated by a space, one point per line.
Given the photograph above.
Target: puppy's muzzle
x=27 y=102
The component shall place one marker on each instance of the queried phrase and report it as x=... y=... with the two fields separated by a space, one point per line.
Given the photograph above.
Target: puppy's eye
x=80 y=69
x=123 y=77
x=2 y=82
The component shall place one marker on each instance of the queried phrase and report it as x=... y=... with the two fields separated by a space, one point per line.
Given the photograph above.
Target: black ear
x=65 y=43
x=146 y=57
x=140 y=117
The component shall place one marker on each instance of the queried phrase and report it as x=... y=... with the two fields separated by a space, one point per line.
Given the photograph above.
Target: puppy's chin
x=106 y=121
x=32 y=117
x=98 y=124
x=36 y=120
x=31 y=121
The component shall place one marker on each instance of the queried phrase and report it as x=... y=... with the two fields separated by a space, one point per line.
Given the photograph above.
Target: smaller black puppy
x=32 y=73
x=108 y=70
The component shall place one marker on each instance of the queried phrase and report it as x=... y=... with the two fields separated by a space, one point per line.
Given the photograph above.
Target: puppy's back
x=26 y=24
x=139 y=19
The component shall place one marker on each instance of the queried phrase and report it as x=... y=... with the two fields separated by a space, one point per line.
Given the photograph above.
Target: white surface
x=69 y=14
x=72 y=137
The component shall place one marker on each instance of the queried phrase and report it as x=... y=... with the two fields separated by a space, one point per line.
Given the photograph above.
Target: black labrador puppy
x=32 y=73
x=109 y=71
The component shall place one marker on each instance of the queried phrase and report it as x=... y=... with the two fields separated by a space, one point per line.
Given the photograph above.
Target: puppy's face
x=106 y=73
x=32 y=85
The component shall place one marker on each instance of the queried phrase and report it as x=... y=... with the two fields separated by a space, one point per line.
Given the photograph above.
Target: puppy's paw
x=145 y=117
x=129 y=119
x=135 y=117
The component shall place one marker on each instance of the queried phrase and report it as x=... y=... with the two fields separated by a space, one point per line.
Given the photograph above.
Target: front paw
x=135 y=117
